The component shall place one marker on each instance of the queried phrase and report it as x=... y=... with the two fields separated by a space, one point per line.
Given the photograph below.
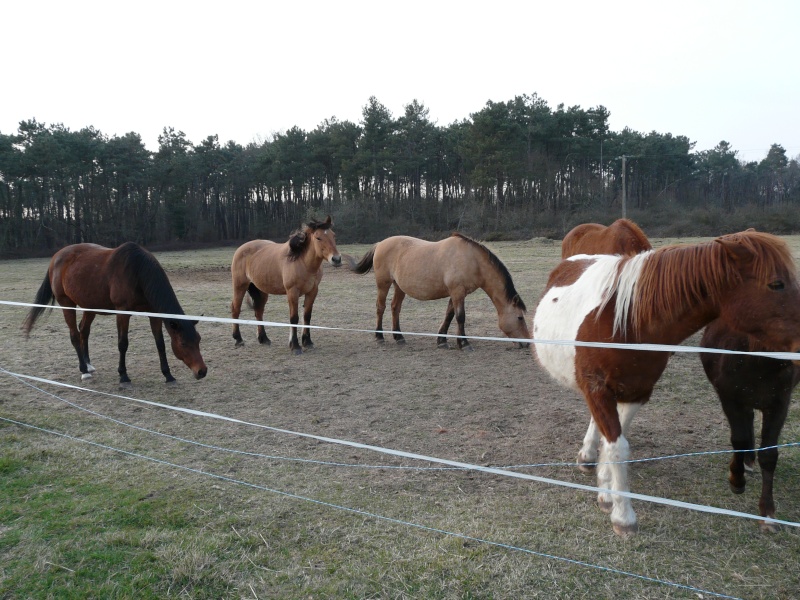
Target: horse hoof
x=265 y=342
x=91 y=369
x=625 y=531
x=401 y=342
x=125 y=385
x=468 y=348
x=171 y=383
x=380 y=341
x=308 y=346
x=767 y=527
x=239 y=343
x=736 y=489
x=443 y=346
x=297 y=351
x=85 y=376
x=605 y=507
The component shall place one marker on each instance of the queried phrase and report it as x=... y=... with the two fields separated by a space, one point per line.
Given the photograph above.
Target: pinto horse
x=454 y=267
x=293 y=269
x=743 y=383
x=127 y=278
x=746 y=280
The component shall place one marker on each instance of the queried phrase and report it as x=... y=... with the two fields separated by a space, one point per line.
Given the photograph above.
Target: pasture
x=122 y=504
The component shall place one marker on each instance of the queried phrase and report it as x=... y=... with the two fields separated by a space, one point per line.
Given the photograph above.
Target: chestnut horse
x=747 y=280
x=621 y=237
x=126 y=278
x=454 y=267
x=294 y=269
x=743 y=383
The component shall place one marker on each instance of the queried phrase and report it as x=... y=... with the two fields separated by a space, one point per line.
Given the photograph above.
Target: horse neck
x=493 y=283
x=158 y=291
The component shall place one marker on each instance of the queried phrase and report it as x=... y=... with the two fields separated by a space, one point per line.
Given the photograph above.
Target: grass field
x=104 y=496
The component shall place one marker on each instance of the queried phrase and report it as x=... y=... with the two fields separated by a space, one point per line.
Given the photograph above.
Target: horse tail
x=365 y=264
x=43 y=296
x=253 y=295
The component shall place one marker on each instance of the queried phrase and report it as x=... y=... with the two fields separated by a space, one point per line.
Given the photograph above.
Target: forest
x=513 y=170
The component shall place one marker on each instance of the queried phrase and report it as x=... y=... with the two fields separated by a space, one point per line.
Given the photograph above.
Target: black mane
x=511 y=292
x=298 y=241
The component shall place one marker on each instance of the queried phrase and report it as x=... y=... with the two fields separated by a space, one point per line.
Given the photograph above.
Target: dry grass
x=83 y=520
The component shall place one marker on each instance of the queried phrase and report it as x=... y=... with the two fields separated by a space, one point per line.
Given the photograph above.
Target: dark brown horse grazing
x=126 y=278
x=746 y=280
x=453 y=267
x=294 y=268
x=743 y=383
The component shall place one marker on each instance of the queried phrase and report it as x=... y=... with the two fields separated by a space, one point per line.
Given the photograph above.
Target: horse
x=294 y=268
x=623 y=236
x=126 y=278
x=746 y=280
x=453 y=267
x=742 y=383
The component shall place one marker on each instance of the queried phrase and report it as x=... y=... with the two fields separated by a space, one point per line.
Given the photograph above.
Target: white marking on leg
x=617 y=453
x=90 y=368
x=588 y=452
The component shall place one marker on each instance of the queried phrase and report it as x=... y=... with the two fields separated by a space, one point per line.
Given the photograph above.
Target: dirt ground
x=494 y=406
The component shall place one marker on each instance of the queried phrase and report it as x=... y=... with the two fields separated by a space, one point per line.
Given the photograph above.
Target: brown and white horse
x=453 y=267
x=294 y=268
x=747 y=280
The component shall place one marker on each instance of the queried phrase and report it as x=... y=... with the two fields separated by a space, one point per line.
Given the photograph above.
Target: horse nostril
x=336 y=260
x=201 y=373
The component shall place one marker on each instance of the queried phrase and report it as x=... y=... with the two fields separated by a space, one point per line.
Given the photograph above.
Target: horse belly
x=560 y=314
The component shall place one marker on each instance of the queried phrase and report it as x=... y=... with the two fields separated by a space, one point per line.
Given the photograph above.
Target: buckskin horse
x=127 y=278
x=746 y=280
x=453 y=267
x=294 y=268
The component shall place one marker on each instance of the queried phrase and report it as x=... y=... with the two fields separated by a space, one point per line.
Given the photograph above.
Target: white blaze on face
x=562 y=310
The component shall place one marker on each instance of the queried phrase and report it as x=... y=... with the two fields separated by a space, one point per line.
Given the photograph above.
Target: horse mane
x=151 y=278
x=298 y=240
x=511 y=292
x=674 y=277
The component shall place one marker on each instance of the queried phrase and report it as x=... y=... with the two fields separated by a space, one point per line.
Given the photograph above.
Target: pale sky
x=710 y=70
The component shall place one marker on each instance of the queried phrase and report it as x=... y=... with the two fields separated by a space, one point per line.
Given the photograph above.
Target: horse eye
x=776 y=286
x=520 y=318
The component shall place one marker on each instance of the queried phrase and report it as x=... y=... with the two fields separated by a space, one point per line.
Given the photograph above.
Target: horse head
x=511 y=319
x=766 y=302
x=185 y=343
x=323 y=241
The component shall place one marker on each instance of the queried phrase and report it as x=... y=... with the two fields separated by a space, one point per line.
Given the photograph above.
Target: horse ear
x=328 y=220
x=735 y=251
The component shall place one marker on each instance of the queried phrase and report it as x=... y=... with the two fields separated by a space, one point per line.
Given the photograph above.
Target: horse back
x=79 y=276
x=263 y=263
x=419 y=267
x=621 y=237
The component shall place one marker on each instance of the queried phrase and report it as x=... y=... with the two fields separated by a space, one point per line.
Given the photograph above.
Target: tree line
x=519 y=167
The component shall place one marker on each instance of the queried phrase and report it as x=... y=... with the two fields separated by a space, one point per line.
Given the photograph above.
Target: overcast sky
x=709 y=70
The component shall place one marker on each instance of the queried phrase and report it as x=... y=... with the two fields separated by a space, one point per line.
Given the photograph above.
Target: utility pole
x=624 y=190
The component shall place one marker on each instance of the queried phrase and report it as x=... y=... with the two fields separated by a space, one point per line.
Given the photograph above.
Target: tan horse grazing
x=127 y=278
x=454 y=267
x=621 y=237
x=294 y=268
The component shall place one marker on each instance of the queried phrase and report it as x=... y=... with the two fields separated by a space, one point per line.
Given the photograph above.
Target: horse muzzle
x=200 y=373
x=336 y=261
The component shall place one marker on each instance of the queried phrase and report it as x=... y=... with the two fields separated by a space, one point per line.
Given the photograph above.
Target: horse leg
x=397 y=303
x=85 y=328
x=441 y=341
x=158 y=334
x=259 y=303
x=236 y=309
x=294 y=318
x=75 y=337
x=740 y=420
x=587 y=457
x=380 y=308
x=461 y=318
x=123 y=322
x=612 y=471
x=308 y=305
x=772 y=423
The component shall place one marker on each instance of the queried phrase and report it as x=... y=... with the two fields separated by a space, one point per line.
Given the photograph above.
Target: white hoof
x=90 y=368
x=85 y=376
